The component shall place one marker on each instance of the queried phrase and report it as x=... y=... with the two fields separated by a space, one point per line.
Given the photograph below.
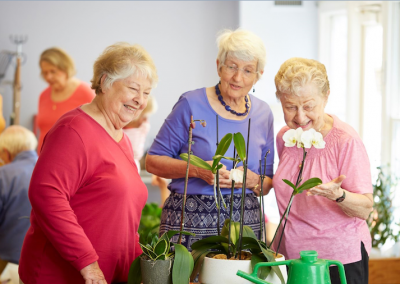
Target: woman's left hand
x=331 y=190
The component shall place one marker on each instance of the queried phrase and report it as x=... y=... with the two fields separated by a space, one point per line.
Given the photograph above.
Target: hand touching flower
x=331 y=190
x=236 y=175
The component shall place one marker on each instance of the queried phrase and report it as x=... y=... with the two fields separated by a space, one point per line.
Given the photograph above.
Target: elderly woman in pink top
x=329 y=218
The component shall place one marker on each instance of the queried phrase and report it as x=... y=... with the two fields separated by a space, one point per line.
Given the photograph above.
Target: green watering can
x=307 y=269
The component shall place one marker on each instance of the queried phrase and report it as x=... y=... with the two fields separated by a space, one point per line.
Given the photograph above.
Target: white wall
x=180 y=36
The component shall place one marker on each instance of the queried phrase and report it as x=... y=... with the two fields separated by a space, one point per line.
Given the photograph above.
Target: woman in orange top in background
x=64 y=93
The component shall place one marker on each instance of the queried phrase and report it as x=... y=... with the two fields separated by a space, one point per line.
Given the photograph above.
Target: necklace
x=228 y=108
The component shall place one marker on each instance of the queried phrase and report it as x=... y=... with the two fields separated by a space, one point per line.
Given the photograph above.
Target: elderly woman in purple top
x=240 y=64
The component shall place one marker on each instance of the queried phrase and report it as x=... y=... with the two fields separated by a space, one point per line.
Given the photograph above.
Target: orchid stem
x=286 y=213
x=218 y=191
x=231 y=208
x=186 y=180
x=245 y=163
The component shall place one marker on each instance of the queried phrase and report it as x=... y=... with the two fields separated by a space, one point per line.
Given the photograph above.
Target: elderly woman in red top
x=86 y=193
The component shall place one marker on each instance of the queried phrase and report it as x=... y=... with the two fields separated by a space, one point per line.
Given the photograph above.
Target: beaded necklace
x=228 y=108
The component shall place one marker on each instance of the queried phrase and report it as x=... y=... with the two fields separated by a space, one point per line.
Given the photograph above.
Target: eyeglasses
x=233 y=69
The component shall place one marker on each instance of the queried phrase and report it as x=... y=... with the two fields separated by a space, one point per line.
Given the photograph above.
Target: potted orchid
x=305 y=140
x=159 y=263
x=214 y=254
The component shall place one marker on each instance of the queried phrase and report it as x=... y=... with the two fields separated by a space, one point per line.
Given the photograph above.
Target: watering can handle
x=253 y=276
x=340 y=266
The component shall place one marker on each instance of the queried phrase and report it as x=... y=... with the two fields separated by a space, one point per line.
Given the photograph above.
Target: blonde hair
x=121 y=60
x=297 y=72
x=16 y=139
x=243 y=45
x=60 y=59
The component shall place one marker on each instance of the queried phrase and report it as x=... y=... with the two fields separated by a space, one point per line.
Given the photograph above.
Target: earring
x=254 y=89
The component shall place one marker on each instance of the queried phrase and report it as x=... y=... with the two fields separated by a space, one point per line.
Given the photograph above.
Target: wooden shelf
x=384 y=271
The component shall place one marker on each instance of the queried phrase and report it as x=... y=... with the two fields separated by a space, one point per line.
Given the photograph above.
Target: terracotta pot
x=156 y=271
x=218 y=271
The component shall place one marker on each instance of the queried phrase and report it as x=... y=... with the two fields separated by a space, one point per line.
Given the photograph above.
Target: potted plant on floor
x=159 y=263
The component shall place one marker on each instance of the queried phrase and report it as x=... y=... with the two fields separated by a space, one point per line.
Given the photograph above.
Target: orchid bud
x=203 y=123
x=193 y=124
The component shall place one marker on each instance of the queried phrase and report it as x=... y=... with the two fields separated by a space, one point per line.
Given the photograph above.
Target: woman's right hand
x=93 y=274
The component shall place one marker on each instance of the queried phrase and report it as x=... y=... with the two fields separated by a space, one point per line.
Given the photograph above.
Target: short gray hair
x=16 y=139
x=121 y=60
x=243 y=45
x=297 y=72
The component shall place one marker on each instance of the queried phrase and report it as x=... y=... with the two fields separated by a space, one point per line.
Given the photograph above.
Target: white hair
x=243 y=45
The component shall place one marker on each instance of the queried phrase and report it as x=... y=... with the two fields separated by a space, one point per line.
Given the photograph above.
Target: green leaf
x=148 y=252
x=183 y=265
x=135 y=272
x=248 y=232
x=224 y=144
x=240 y=145
x=161 y=248
x=209 y=240
x=263 y=271
x=309 y=184
x=172 y=233
x=196 y=161
x=290 y=184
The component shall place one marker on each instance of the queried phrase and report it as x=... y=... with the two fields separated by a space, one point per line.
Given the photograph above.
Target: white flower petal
x=318 y=141
x=236 y=175
x=307 y=137
x=290 y=138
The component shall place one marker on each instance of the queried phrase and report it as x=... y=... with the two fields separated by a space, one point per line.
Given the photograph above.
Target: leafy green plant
x=155 y=248
x=228 y=243
x=381 y=220
x=150 y=221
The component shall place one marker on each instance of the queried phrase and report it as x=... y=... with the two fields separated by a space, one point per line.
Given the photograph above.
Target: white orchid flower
x=307 y=138
x=299 y=132
x=291 y=137
x=236 y=175
x=318 y=141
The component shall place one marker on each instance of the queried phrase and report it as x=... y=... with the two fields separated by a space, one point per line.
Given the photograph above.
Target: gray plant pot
x=156 y=271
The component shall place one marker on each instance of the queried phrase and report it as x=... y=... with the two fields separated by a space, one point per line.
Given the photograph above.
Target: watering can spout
x=251 y=277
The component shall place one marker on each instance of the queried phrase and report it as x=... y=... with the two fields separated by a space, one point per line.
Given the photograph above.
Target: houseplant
x=235 y=238
x=157 y=251
x=381 y=220
x=159 y=264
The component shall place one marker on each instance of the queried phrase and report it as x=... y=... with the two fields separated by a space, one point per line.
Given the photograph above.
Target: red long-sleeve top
x=87 y=198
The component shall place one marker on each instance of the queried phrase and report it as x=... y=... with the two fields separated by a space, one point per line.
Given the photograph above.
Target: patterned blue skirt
x=201 y=215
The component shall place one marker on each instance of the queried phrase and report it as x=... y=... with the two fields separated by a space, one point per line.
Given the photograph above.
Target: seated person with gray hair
x=17 y=150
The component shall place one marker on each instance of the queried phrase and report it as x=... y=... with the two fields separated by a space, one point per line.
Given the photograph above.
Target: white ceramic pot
x=220 y=271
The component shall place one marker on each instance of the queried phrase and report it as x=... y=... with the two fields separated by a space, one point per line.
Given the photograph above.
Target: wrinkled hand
x=93 y=274
x=331 y=190
x=252 y=180
x=208 y=176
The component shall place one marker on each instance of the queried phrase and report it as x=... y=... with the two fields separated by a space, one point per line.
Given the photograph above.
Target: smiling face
x=55 y=77
x=306 y=109
x=125 y=99
x=236 y=85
